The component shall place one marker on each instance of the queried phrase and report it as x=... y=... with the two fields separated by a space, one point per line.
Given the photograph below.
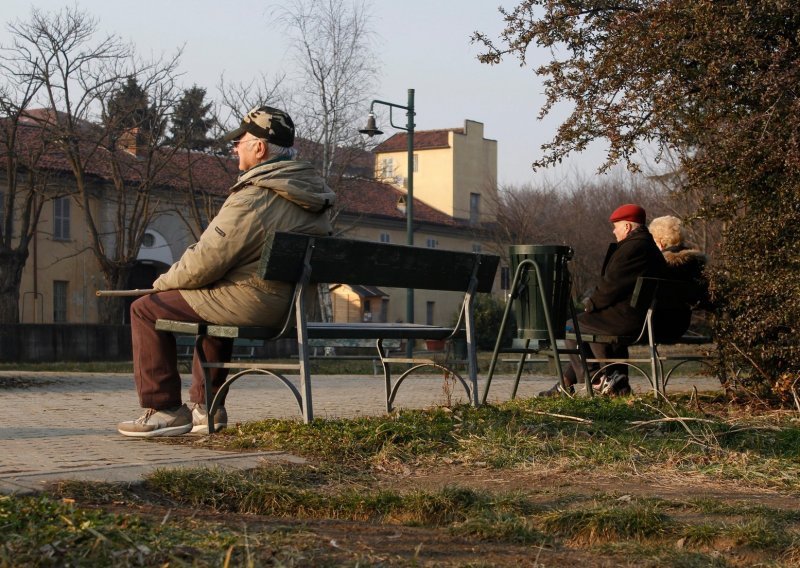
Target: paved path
x=62 y=425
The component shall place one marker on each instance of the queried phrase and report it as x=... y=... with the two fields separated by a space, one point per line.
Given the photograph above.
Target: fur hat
x=668 y=231
x=629 y=212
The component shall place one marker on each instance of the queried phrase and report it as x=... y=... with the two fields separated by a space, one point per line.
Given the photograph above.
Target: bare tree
x=27 y=184
x=575 y=215
x=332 y=47
x=26 y=191
x=79 y=74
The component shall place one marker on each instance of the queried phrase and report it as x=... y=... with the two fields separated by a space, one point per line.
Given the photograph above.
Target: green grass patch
x=36 y=531
x=286 y=492
x=609 y=523
x=580 y=434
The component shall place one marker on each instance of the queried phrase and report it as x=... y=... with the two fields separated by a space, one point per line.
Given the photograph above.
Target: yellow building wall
x=433 y=180
x=72 y=261
x=346 y=305
x=445 y=177
x=51 y=260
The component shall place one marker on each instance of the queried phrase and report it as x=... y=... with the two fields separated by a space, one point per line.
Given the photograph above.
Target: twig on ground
x=682 y=420
x=637 y=423
x=564 y=416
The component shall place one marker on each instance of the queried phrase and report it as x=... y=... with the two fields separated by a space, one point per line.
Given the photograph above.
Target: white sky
x=422 y=44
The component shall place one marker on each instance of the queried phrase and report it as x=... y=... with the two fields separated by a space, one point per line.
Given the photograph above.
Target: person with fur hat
x=608 y=308
x=216 y=279
x=684 y=264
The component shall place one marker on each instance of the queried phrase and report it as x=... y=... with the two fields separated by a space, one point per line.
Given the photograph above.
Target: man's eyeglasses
x=235 y=143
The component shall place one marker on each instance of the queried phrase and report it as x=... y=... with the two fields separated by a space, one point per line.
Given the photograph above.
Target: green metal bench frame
x=306 y=260
x=652 y=294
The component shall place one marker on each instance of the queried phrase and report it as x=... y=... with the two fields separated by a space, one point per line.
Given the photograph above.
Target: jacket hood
x=293 y=180
x=680 y=256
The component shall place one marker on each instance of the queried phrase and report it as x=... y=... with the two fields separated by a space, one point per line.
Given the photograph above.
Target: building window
x=61 y=218
x=148 y=240
x=386 y=238
x=387 y=167
x=474 y=207
x=60 y=301
x=366 y=314
x=505 y=278
x=431 y=243
x=429 y=308
x=416 y=163
x=476 y=247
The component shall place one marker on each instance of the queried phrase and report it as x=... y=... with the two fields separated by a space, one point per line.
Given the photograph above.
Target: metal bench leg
x=201 y=356
x=387 y=375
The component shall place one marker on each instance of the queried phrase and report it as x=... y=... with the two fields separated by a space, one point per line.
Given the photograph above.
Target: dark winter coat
x=684 y=265
x=609 y=308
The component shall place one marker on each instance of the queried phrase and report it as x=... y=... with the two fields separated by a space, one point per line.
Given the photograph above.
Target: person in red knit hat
x=608 y=308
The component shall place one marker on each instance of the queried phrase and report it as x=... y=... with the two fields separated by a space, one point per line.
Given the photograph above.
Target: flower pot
x=434 y=344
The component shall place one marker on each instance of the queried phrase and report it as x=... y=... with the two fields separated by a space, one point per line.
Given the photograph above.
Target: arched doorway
x=154 y=258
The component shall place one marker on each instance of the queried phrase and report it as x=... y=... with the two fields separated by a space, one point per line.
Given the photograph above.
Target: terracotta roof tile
x=423 y=140
x=359 y=197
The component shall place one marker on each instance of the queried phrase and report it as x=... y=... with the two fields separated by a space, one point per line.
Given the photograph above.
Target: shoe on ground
x=599 y=380
x=200 y=418
x=172 y=422
x=616 y=385
x=558 y=390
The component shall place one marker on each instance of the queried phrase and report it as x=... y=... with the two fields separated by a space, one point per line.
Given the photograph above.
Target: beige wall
x=72 y=261
x=474 y=171
x=51 y=260
x=346 y=305
x=446 y=177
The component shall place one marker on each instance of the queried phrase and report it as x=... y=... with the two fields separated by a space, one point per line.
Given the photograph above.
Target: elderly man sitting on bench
x=608 y=309
x=215 y=280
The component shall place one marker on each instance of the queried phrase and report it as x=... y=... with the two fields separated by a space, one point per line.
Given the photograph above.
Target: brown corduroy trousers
x=155 y=361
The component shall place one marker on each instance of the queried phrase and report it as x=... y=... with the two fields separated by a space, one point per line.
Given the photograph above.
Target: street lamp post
x=371 y=130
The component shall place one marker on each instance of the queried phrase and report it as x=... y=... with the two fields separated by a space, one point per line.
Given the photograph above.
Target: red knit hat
x=628 y=212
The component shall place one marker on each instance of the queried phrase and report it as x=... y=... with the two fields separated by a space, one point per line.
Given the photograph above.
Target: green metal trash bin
x=528 y=306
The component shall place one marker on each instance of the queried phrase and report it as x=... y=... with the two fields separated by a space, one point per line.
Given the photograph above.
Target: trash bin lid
x=540 y=249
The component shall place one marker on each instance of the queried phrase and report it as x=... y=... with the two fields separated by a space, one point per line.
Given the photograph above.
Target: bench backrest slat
x=667 y=294
x=347 y=261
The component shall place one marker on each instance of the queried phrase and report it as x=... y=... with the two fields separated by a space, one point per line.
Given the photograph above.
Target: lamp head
x=371 y=128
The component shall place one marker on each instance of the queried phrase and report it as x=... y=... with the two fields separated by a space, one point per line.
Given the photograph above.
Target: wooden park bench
x=304 y=260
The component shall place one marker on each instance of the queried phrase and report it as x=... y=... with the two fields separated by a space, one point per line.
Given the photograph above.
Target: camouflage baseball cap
x=266 y=122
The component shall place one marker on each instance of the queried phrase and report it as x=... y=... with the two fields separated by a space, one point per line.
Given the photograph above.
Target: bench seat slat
x=319 y=330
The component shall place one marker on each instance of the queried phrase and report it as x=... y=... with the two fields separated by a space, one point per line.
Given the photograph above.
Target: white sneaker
x=158 y=423
x=200 y=418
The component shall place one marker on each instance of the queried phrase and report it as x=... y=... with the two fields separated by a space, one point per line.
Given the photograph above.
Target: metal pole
x=410 y=208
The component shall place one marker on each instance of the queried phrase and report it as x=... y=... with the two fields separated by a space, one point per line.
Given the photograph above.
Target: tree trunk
x=11 y=264
x=111 y=310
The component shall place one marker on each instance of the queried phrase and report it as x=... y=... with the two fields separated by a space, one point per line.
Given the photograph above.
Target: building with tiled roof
x=455 y=169
x=61 y=277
